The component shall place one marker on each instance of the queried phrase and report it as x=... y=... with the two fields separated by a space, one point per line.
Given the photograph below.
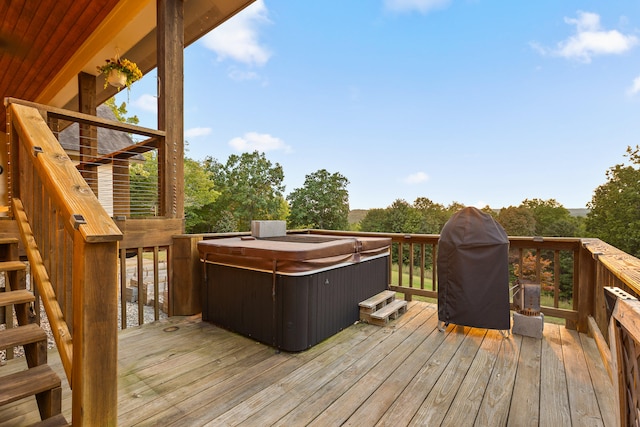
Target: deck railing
x=135 y=201
x=71 y=244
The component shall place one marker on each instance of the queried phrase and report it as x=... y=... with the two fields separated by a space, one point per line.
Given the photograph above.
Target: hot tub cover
x=473 y=271
x=292 y=253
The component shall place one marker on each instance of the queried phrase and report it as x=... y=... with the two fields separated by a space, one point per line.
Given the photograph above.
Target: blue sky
x=474 y=101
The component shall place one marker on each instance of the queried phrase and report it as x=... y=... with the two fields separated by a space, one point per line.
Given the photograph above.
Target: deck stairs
x=381 y=308
x=38 y=379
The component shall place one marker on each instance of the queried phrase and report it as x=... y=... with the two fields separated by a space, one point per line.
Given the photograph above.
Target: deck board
x=525 y=401
x=554 y=396
x=182 y=371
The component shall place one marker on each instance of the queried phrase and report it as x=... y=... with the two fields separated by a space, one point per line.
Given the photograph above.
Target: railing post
x=95 y=333
x=187 y=277
x=585 y=291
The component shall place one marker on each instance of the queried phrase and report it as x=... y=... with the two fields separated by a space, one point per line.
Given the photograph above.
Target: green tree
x=433 y=215
x=250 y=188
x=143 y=186
x=551 y=218
x=517 y=221
x=198 y=192
x=374 y=220
x=121 y=112
x=614 y=214
x=322 y=202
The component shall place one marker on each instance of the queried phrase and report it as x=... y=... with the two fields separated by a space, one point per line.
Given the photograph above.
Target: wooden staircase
x=38 y=379
x=380 y=309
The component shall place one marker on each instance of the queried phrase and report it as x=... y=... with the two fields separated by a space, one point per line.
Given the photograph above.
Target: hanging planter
x=117 y=78
x=120 y=72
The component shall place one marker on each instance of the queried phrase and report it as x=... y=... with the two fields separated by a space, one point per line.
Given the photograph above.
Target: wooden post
x=170 y=30
x=88 y=138
x=95 y=333
x=586 y=289
x=187 y=271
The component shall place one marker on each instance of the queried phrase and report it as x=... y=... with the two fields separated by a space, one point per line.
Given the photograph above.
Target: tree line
x=225 y=197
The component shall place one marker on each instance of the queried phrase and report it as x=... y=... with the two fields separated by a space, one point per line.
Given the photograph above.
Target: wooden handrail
x=86 y=118
x=64 y=183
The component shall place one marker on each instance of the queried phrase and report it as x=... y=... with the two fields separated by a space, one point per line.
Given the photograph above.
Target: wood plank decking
x=184 y=372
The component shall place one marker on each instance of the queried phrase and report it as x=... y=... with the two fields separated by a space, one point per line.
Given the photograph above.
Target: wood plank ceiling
x=37 y=38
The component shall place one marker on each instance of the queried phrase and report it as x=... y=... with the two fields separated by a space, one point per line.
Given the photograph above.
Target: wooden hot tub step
x=389 y=312
x=381 y=308
x=375 y=303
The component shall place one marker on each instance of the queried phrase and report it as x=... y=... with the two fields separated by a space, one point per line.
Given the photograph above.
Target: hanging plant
x=120 y=72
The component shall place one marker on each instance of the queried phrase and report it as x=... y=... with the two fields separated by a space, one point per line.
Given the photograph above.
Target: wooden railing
x=136 y=208
x=417 y=275
x=72 y=245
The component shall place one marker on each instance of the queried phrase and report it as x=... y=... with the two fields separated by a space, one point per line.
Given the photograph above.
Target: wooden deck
x=184 y=372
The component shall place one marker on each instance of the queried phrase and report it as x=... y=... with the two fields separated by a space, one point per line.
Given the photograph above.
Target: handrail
x=78 y=244
x=86 y=118
x=64 y=183
x=108 y=174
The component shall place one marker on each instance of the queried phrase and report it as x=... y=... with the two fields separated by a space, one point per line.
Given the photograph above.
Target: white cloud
x=422 y=6
x=589 y=40
x=195 y=132
x=147 y=102
x=238 y=38
x=252 y=141
x=242 y=75
x=635 y=87
x=416 y=178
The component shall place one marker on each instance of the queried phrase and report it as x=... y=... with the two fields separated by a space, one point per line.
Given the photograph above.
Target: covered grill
x=473 y=271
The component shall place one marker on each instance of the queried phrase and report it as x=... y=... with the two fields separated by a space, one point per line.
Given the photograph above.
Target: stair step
x=9 y=240
x=383 y=297
x=390 y=311
x=12 y=266
x=27 y=383
x=55 y=421
x=19 y=296
x=22 y=335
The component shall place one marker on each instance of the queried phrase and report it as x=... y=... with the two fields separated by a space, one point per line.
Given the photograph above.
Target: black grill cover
x=473 y=271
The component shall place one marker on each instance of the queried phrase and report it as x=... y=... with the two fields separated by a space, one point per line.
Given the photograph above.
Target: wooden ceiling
x=44 y=44
x=37 y=38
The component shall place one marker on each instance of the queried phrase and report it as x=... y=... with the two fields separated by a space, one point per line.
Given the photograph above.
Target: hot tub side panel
x=312 y=308
x=307 y=308
x=240 y=300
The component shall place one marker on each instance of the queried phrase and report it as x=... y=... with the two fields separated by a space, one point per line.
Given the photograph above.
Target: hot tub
x=291 y=292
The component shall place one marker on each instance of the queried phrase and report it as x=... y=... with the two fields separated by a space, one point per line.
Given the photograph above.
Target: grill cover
x=473 y=271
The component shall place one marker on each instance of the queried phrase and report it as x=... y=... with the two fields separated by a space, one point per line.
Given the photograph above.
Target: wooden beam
x=170 y=41
x=88 y=138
